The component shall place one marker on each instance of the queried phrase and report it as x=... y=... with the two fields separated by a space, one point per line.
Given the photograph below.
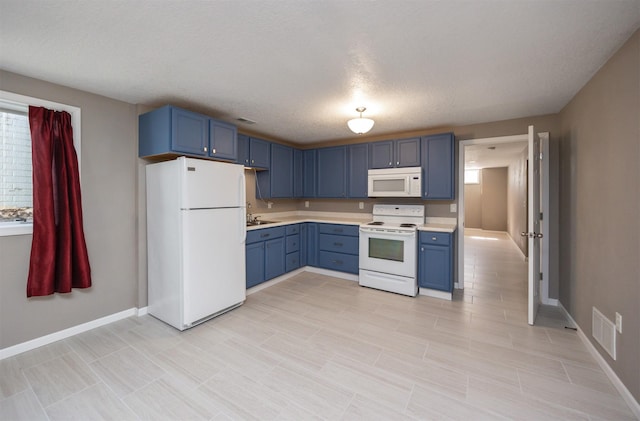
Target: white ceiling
x=300 y=68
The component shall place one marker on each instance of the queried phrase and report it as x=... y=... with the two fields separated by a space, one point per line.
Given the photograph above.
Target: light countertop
x=432 y=224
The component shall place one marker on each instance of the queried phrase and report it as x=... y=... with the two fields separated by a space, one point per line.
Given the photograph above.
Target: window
x=471 y=176
x=16 y=186
x=16 y=201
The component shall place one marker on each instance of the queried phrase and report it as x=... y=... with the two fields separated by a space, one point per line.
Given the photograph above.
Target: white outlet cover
x=453 y=207
x=618 y=322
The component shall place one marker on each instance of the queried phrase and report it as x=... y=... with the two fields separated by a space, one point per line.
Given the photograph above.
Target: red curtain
x=59 y=259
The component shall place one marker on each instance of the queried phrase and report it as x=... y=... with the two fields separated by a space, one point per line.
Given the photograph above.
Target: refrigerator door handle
x=242 y=189
x=243 y=226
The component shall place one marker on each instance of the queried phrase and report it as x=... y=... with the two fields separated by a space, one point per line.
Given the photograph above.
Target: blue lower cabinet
x=312 y=244
x=304 y=248
x=338 y=247
x=265 y=254
x=274 y=258
x=255 y=263
x=292 y=247
x=292 y=261
x=339 y=243
x=435 y=261
x=338 y=261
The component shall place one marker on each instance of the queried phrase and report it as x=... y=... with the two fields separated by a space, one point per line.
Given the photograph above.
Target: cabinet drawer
x=293 y=261
x=338 y=261
x=293 y=229
x=351 y=230
x=339 y=243
x=264 y=234
x=435 y=238
x=293 y=243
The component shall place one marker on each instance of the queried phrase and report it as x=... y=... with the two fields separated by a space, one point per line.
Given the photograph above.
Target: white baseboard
x=617 y=383
x=274 y=281
x=435 y=293
x=551 y=302
x=142 y=311
x=65 y=333
x=335 y=274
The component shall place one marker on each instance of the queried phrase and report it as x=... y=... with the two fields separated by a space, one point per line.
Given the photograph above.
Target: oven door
x=388 y=252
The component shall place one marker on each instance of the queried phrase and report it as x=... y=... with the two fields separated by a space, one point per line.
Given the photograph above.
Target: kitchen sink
x=259 y=222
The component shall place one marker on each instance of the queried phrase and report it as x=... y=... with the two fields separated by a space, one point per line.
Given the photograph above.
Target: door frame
x=459 y=284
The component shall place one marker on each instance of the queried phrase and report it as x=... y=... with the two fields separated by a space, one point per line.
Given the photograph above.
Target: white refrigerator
x=195 y=240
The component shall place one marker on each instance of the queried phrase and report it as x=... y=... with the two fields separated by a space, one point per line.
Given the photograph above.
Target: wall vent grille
x=604 y=332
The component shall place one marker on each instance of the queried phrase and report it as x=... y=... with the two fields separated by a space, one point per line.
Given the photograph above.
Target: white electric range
x=389 y=248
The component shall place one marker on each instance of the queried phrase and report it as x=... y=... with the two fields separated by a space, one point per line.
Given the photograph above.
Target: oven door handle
x=394 y=233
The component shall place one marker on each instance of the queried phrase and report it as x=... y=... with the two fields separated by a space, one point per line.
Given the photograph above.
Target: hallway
x=496 y=280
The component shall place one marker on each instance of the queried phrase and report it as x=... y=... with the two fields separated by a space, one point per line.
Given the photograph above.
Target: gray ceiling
x=300 y=68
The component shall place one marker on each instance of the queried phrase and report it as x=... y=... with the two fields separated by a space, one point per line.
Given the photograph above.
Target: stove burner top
x=376 y=223
x=408 y=225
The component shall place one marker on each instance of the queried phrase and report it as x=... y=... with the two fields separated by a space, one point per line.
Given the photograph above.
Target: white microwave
x=395 y=182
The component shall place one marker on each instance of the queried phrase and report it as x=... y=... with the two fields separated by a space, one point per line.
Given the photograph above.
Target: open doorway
x=503 y=204
x=489 y=206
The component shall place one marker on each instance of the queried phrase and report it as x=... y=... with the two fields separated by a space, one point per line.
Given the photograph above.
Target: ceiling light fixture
x=360 y=125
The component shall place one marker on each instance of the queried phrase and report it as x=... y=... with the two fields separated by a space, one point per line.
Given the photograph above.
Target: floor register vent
x=604 y=331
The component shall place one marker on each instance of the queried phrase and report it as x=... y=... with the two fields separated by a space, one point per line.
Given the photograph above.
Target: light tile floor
x=317 y=347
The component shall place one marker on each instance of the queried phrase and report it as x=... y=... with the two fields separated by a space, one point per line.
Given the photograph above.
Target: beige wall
x=600 y=204
x=494 y=199
x=485 y=204
x=473 y=204
x=517 y=201
x=109 y=132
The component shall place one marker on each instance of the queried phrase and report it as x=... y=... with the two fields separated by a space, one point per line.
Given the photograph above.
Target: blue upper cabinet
x=281 y=171
x=332 y=172
x=309 y=169
x=243 y=150
x=407 y=152
x=358 y=156
x=381 y=154
x=223 y=140
x=172 y=130
x=259 y=153
x=395 y=153
x=298 y=173
x=253 y=152
x=438 y=167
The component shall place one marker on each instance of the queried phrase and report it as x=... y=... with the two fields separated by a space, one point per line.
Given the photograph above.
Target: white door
x=534 y=233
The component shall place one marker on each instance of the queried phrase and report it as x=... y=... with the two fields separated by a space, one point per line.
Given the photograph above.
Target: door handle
x=531 y=234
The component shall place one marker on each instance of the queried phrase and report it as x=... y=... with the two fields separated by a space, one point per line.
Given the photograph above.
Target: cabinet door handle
x=204 y=149
x=421 y=248
x=337 y=244
x=337 y=262
x=337 y=230
x=398 y=163
x=253 y=161
x=434 y=239
x=264 y=235
x=213 y=150
x=389 y=163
